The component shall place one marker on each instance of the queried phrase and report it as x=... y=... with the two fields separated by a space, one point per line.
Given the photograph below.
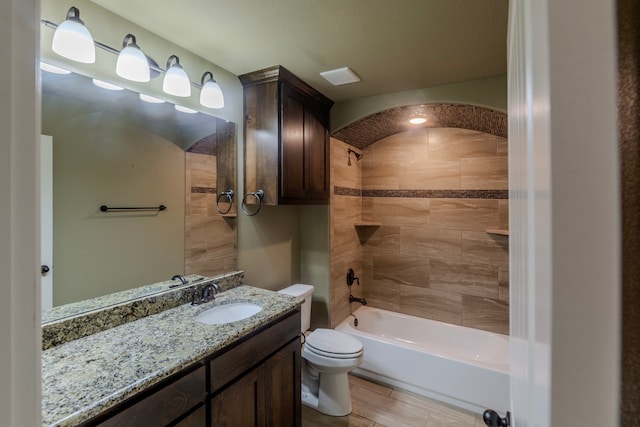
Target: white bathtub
x=462 y=366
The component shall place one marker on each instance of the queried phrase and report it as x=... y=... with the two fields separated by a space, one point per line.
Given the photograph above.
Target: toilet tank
x=305 y=291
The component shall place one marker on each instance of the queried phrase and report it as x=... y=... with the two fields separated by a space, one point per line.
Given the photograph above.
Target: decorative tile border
x=208 y=190
x=424 y=194
x=375 y=127
x=116 y=310
x=345 y=191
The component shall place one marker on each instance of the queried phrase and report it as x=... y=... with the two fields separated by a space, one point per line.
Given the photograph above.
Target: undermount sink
x=227 y=313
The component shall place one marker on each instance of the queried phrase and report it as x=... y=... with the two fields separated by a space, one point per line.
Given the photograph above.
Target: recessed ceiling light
x=417 y=120
x=184 y=109
x=151 y=99
x=340 y=76
x=105 y=85
x=53 y=69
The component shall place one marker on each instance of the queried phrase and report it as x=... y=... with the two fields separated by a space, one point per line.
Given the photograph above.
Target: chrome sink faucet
x=183 y=281
x=209 y=292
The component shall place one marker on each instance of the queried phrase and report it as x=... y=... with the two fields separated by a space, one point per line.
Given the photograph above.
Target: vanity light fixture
x=184 y=109
x=176 y=81
x=73 y=40
x=151 y=99
x=210 y=95
x=132 y=63
x=53 y=69
x=105 y=85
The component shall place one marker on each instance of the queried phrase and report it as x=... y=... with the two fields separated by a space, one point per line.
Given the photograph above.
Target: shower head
x=358 y=155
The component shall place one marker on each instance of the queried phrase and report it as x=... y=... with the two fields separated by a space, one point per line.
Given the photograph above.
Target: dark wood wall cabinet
x=254 y=382
x=286 y=131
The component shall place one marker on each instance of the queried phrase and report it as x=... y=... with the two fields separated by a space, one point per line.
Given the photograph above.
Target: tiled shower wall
x=345 y=210
x=210 y=242
x=431 y=194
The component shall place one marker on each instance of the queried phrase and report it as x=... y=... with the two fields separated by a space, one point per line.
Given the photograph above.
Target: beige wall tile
x=464 y=214
x=484 y=248
x=401 y=211
x=503 y=146
x=503 y=283
x=384 y=294
x=431 y=304
x=469 y=279
x=367 y=209
x=384 y=240
x=339 y=305
x=430 y=175
x=427 y=242
x=203 y=170
x=453 y=144
x=402 y=269
x=487 y=314
x=484 y=173
x=343 y=174
x=383 y=175
x=503 y=212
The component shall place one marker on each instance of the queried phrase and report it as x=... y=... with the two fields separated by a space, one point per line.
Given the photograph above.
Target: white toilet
x=328 y=356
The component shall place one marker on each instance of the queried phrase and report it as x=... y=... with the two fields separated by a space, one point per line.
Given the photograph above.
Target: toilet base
x=333 y=398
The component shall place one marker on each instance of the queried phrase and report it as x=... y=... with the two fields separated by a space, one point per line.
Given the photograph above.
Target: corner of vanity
x=170 y=369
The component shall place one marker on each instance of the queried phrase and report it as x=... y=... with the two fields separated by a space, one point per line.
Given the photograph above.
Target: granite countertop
x=84 y=377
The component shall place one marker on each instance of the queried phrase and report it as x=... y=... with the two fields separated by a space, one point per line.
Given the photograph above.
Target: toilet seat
x=333 y=344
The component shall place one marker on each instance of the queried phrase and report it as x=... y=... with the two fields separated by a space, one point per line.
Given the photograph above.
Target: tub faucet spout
x=360 y=300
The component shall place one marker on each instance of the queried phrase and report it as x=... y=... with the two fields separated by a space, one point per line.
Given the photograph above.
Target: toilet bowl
x=328 y=356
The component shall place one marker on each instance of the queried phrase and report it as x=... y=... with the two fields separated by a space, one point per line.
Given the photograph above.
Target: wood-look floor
x=377 y=405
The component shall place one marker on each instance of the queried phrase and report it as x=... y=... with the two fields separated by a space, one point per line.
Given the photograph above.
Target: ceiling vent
x=340 y=76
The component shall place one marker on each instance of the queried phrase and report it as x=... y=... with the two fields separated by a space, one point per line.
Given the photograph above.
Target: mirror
x=112 y=148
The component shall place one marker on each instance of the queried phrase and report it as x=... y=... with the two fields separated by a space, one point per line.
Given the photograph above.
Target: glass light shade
x=73 y=40
x=151 y=99
x=132 y=63
x=184 y=109
x=106 y=85
x=176 y=81
x=211 y=94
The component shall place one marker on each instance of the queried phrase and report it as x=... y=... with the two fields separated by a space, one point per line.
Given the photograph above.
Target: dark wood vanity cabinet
x=286 y=138
x=254 y=382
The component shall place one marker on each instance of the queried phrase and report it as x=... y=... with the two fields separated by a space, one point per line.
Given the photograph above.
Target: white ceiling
x=393 y=45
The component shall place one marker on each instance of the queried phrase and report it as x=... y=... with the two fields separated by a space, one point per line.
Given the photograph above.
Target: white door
x=46 y=219
x=563 y=214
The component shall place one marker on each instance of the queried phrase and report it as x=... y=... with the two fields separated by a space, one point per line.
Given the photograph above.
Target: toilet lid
x=330 y=343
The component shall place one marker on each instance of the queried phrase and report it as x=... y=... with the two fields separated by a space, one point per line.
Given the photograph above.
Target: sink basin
x=228 y=313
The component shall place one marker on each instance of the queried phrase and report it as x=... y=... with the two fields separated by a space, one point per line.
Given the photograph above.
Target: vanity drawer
x=164 y=405
x=241 y=358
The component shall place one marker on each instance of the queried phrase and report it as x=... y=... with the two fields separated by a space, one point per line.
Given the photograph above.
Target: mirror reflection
x=110 y=147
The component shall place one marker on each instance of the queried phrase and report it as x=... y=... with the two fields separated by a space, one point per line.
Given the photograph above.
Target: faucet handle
x=195 y=299
x=351 y=277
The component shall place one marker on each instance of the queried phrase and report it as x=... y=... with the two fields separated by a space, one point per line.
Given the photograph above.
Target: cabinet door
x=163 y=406
x=242 y=403
x=316 y=160
x=282 y=387
x=292 y=169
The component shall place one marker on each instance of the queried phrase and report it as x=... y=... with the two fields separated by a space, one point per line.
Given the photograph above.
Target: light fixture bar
x=115 y=51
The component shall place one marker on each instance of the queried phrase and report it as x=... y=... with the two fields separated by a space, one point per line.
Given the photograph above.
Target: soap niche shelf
x=498 y=231
x=366 y=229
x=367 y=224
